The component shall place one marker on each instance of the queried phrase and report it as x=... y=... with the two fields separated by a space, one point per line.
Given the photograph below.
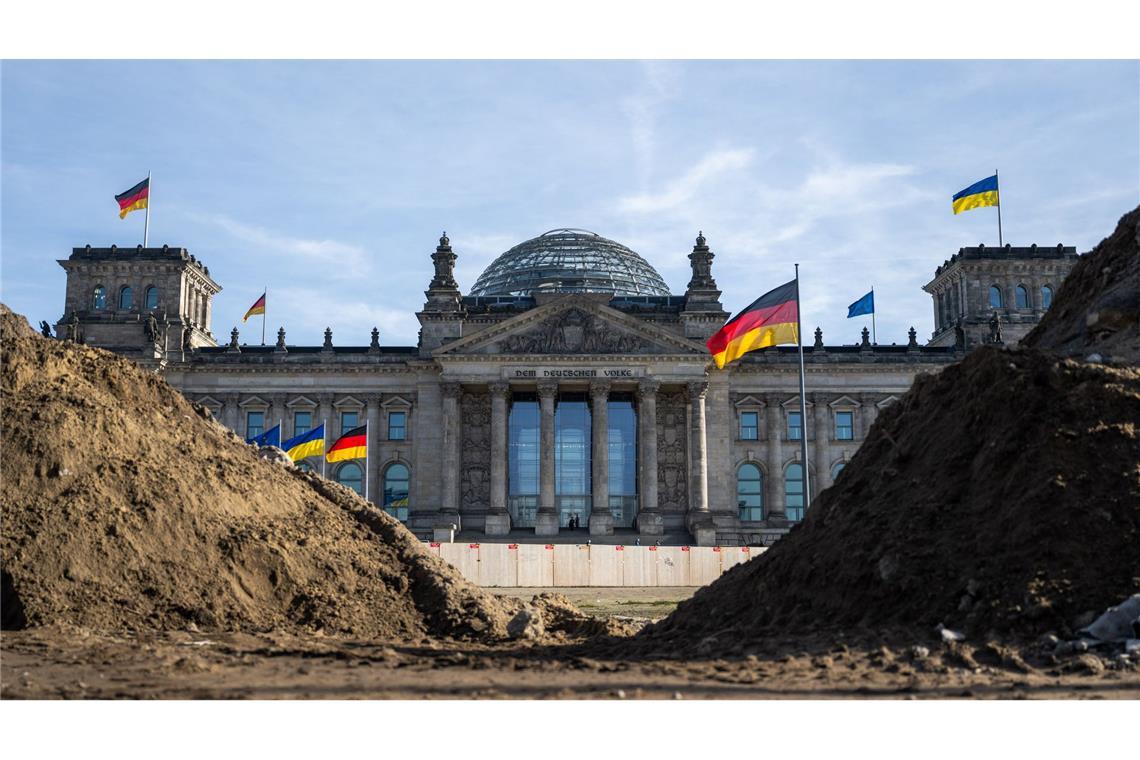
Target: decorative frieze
x=475 y=480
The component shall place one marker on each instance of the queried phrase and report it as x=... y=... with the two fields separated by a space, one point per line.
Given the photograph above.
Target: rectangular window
x=254 y=424
x=795 y=429
x=844 y=426
x=397 y=426
x=302 y=422
x=749 y=426
x=347 y=421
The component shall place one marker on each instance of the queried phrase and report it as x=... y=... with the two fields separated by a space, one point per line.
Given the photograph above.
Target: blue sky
x=331 y=181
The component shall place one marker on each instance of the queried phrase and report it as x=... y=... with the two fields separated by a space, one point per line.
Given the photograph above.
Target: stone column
x=774 y=482
x=278 y=410
x=231 y=413
x=498 y=521
x=867 y=413
x=601 y=518
x=822 y=442
x=449 y=508
x=372 y=414
x=649 y=519
x=546 y=521
x=698 y=519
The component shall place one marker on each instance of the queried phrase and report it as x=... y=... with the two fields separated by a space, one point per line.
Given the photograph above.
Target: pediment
x=395 y=402
x=793 y=404
x=210 y=401
x=844 y=402
x=302 y=402
x=572 y=326
x=884 y=403
x=348 y=402
x=750 y=401
x=253 y=401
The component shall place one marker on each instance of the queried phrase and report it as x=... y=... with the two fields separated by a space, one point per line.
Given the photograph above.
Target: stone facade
x=442 y=409
x=1022 y=281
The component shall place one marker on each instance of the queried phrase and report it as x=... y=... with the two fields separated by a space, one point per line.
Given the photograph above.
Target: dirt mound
x=1097 y=309
x=127 y=507
x=1001 y=494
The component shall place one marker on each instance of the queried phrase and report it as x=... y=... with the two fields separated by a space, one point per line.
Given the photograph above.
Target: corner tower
x=1015 y=284
x=152 y=304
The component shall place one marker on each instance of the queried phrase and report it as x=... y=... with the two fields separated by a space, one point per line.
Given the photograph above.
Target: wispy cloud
x=350 y=259
x=659 y=83
x=683 y=189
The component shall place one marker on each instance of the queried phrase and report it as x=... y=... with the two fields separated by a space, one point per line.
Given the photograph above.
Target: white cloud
x=350 y=259
x=682 y=190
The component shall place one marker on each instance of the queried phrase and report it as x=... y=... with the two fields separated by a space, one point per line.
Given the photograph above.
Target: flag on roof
x=134 y=199
x=981 y=193
x=770 y=320
x=257 y=308
x=865 y=305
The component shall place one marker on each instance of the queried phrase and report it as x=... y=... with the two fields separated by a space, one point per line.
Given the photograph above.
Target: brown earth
x=125 y=507
x=1001 y=495
x=1097 y=308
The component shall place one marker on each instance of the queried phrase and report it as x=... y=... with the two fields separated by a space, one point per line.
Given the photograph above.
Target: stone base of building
x=444 y=532
x=601 y=524
x=703 y=530
x=651 y=524
x=497 y=524
x=546 y=524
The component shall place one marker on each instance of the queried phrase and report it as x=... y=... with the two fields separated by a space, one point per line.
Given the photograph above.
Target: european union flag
x=271 y=437
x=865 y=305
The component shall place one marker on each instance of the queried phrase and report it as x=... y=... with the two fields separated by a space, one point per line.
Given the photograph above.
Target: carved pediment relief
x=575 y=331
x=573 y=325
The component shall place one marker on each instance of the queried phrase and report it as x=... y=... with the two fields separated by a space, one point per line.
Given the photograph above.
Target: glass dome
x=569 y=261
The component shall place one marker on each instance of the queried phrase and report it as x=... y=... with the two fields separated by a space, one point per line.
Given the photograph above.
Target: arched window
x=99 y=298
x=794 y=492
x=152 y=298
x=125 y=297
x=995 y=297
x=396 y=491
x=1022 y=297
x=349 y=474
x=750 y=492
x=1046 y=296
x=836 y=469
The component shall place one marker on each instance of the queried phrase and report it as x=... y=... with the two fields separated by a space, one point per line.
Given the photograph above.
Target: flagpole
x=264 y=308
x=366 y=470
x=146 y=224
x=324 y=437
x=803 y=397
x=874 y=338
x=997 y=184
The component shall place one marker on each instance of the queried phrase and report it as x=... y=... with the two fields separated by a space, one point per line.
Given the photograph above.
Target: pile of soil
x=1097 y=309
x=126 y=507
x=1000 y=495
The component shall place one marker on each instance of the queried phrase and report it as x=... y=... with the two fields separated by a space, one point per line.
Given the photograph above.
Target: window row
x=303 y=423
x=1021 y=294
x=844 y=422
x=750 y=490
x=126 y=298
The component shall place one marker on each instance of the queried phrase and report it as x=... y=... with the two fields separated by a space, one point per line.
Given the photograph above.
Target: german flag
x=134 y=199
x=257 y=308
x=352 y=445
x=770 y=320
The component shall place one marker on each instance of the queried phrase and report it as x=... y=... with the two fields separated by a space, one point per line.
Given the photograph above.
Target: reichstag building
x=568 y=387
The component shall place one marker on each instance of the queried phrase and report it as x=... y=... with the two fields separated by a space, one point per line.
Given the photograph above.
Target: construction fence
x=577 y=565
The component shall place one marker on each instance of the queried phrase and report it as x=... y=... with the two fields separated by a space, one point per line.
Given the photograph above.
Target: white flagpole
x=146 y=224
x=367 y=472
x=264 y=309
x=803 y=399
x=324 y=439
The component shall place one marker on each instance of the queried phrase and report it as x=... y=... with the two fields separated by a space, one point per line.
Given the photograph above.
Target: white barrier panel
x=672 y=565
x=498 y=565
x=606 y=565
x=465 y=558
x=535 y=565
x=639 y=566
x=704 y=565
x=433 y=548
x=734 y=555
x=571 y=565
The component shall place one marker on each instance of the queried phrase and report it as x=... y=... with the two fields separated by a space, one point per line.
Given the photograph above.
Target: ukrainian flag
x=977 y=195
x=308 y=444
